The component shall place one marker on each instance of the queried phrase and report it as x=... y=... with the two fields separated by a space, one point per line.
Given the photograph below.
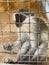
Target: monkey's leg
x=24 y=49
x=41 y=51
x=42 y=47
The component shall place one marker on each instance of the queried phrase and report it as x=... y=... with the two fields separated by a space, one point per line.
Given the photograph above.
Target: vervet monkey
x=30 y=48
x=26 y=47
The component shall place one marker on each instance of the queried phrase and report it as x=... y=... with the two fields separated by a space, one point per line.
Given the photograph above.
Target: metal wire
x=8 y=11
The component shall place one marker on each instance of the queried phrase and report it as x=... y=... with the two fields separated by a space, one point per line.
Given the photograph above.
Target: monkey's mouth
x=18 y=24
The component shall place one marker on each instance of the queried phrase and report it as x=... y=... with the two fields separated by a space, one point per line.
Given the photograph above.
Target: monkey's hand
x=9 y=61
x=8 y=47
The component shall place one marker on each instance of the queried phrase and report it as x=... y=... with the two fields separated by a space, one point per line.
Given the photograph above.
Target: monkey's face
x=19 y=19
x=24 y=22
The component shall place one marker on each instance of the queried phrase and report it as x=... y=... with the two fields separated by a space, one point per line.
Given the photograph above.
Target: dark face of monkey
x=19 y=19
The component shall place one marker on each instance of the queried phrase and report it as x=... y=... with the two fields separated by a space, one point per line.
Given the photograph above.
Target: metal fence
x=24 y=22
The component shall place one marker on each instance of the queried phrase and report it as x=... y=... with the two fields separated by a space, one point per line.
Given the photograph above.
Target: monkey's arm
x=17 y=44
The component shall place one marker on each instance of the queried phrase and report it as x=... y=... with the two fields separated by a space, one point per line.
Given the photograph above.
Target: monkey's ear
x=19 y=18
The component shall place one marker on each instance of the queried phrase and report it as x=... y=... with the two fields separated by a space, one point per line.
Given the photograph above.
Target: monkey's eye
x=19 y=19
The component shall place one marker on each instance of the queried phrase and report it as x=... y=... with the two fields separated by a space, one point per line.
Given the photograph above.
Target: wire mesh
x=9 y=32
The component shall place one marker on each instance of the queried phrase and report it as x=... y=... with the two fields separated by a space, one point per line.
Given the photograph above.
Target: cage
x=24 y=32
